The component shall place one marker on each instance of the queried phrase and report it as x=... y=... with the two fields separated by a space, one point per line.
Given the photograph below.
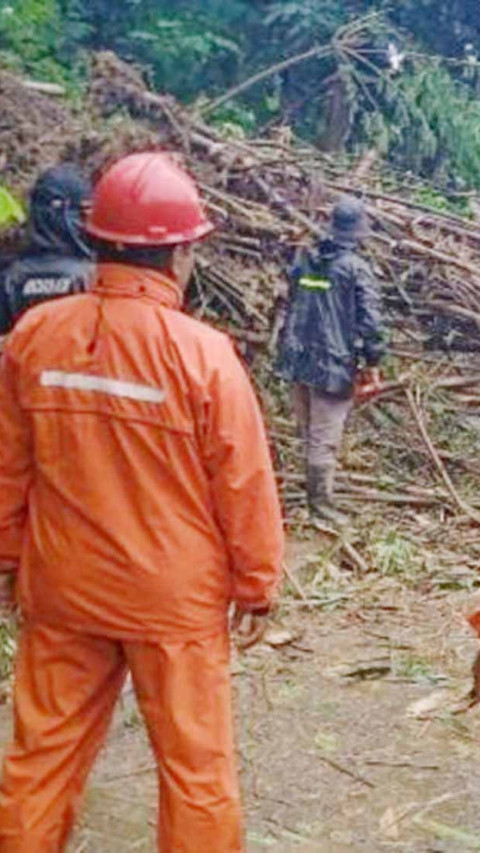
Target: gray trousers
x=321 y=422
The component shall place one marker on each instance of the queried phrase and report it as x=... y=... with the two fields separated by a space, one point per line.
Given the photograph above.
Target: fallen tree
x=410 y=462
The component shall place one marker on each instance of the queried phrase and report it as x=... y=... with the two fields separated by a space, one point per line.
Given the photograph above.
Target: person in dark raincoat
x=56 y=262
x=333 y=328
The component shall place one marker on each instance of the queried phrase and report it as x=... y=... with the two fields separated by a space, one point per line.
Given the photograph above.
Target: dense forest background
x=404 y=82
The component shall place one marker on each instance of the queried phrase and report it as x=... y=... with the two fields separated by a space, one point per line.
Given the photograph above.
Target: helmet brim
x=156 y=237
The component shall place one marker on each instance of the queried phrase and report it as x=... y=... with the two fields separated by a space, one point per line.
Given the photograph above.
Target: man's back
x=334 y=305
x=137 y=502
x=142 y=422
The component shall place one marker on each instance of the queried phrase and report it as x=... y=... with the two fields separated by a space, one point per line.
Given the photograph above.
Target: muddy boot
x=320 y=496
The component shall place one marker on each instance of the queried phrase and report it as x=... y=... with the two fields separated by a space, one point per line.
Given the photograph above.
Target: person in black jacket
x=333 y=326
x=56 y=261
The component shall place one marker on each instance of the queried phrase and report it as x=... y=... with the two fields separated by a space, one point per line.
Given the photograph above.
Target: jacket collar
x=124 y=280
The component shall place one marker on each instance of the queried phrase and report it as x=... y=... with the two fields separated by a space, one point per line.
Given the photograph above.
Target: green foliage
x=436 y=200
x=432 y=198
x=235 y=120
x=418 y=670
x=425 y=119
x=169 y=40
x=429 y=123
x=11 y=212
x=298 y=24
x=32 y=29
x=393 y=554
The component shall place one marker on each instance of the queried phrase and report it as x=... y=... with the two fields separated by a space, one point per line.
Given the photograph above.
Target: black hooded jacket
x=56 y=261
x=333 y=320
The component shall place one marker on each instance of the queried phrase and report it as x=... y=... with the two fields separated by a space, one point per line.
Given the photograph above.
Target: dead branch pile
x=32 y=128
x=414 y=453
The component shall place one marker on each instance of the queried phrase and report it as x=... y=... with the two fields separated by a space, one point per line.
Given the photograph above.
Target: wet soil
x=336 y=753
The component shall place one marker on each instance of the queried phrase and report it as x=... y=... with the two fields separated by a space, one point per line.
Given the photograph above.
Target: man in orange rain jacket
x=137 y=501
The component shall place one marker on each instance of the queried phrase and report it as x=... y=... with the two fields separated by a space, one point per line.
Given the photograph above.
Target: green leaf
x=469 y=840
x=11 y=212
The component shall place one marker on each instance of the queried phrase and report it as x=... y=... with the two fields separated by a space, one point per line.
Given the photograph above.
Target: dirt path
x=332 y=759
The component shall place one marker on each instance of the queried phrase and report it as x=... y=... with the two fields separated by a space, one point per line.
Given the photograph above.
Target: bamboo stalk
x=460 y=503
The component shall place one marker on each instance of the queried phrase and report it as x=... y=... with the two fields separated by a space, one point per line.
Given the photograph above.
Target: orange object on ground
x=474 y=621
x=473 y=613
x=137 y=495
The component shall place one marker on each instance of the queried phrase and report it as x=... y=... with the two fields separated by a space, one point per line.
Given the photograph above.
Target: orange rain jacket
x=136 y=488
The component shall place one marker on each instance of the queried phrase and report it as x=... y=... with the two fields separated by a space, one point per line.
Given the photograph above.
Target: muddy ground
x=338 y=749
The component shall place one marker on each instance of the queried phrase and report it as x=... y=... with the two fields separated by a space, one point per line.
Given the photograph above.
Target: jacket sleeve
x=16 y=465
x=243 y=485
x=369 y=314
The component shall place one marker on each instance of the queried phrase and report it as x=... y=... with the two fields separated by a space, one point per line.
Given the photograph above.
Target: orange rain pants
x=67 y=687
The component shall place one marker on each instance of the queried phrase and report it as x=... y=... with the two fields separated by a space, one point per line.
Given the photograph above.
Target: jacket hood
x=55 y=223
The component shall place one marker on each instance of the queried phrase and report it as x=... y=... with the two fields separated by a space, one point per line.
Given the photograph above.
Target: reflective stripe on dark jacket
x=333 y=320
x=57 y=261
x=35 y=278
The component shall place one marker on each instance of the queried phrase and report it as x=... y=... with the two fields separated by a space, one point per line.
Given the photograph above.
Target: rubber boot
x=320 y=495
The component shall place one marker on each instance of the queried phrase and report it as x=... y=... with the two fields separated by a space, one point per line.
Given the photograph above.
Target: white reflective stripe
x=101 y=385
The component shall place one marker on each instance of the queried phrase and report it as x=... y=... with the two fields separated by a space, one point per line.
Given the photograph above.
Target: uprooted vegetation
x=410 y=465
x=336 y=751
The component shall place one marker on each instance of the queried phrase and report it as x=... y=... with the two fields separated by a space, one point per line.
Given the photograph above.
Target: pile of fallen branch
x=413 y=452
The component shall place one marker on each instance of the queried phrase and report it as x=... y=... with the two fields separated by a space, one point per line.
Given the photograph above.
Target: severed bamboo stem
x=460 y=503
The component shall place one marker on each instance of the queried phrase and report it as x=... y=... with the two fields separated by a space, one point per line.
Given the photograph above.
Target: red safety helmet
x=147 y=200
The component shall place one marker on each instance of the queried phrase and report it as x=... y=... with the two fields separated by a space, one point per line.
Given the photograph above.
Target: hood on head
x=56 y=201
x=349 y=221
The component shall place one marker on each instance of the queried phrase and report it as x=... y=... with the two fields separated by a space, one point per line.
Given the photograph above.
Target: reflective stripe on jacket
x=136 y=486
x=33 y=279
